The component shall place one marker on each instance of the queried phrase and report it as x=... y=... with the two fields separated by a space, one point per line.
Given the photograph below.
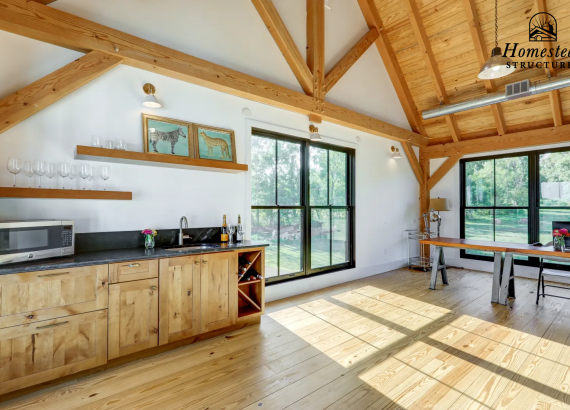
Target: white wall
x=110 y=106
x=449 y=187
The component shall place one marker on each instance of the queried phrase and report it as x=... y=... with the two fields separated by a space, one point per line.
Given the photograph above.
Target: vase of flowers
x=559 y=238
x=149 y=235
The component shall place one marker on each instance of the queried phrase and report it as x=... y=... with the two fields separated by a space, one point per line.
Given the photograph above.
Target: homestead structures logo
x=542 y=27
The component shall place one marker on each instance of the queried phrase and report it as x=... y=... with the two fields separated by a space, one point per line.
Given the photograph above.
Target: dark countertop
x=119 y=255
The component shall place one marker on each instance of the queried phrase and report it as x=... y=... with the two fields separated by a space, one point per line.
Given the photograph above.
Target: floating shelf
x=155 y=160
x=10 y=192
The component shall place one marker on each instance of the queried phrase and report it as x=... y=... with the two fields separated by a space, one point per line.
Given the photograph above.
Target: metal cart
x=421 y=261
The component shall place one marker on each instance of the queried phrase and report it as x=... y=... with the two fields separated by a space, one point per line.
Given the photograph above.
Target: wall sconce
x=150 y=100
x=314 y=136
x=395 y=152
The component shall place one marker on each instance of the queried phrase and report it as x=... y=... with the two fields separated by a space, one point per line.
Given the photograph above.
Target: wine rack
x=251 y=292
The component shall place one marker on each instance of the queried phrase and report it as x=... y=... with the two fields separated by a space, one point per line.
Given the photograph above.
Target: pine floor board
x=384 y=342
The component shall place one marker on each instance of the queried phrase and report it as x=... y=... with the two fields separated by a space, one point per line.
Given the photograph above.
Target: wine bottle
x=225 y=236
x=239 y=230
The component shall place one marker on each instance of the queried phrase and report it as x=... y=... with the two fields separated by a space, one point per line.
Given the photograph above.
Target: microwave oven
x=35 y=239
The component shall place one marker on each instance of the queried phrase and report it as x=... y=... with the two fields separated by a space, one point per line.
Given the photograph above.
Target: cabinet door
x=133 y=317
x=179 y=298
x=30 y=297
x=218 y=297
x=37 y=352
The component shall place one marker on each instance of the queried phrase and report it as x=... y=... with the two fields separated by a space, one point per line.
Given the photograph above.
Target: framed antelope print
x=167 y=136
x=214 y=143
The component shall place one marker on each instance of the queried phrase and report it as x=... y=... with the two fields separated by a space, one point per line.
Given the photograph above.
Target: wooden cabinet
x=30 y=297
x=218 y=291
x=133 y=317
x=179 y=285
x=133 y=270
x=47 y=350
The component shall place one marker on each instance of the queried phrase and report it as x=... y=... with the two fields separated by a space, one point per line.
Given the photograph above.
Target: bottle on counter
x=239 y=230
x=225 y=236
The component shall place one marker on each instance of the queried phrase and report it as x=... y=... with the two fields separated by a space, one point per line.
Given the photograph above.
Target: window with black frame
x=302 y=204
x=514 y=198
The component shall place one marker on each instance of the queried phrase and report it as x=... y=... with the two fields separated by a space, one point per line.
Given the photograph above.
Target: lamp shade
x=439 y=204
x=497 y=66
x=151 y=102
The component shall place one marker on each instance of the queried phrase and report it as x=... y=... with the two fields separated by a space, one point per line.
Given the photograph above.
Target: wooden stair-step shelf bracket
x=83 y=152
x=11 y=192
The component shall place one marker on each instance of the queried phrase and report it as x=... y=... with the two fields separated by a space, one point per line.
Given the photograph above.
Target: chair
x=541 y=284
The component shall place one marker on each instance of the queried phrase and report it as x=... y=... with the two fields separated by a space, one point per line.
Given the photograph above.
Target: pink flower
x=564 y=232
x=149 y=232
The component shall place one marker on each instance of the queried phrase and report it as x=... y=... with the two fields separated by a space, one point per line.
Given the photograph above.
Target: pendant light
x=496 y=66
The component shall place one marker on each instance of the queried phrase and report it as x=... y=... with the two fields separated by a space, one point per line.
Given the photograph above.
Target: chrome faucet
x=181 y=236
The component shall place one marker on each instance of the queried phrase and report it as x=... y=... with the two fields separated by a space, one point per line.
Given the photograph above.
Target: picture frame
x=213 y=143
x=168 y=136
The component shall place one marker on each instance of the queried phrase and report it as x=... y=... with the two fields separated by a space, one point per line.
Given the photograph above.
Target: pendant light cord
x=496 y=24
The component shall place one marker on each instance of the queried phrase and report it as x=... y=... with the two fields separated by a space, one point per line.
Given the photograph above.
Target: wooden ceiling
x=448 y=29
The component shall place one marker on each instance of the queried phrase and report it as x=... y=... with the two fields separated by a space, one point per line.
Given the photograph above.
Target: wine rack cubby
x=251 y=283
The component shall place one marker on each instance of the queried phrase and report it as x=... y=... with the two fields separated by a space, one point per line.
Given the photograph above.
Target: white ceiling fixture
x=497 y=66
x=150 y=100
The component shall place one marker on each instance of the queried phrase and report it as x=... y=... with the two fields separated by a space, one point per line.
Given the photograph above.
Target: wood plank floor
x=384 y=342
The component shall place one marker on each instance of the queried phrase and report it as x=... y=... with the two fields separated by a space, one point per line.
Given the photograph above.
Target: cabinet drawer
x=133 y=270
x=30 y=297
x=39 y=352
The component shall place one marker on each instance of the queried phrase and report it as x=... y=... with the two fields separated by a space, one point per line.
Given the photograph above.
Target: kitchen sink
x=184 y=248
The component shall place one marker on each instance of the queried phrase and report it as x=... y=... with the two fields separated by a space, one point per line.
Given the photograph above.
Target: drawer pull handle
x=134 y=265
x=153 y=287
x=30 y=316
x=189 y=292
x=51 y=275
x=155 y=330
x=205 y=262
x=196 y=263
x=54 y=325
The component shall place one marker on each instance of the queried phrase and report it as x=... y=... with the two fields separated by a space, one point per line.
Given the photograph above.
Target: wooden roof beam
x=384 y=47
x=523 y=139
x=316 y=46
x=555 y=100
x=24 y=103
x=34 y=20
x=482 y=55
x=431 y=64
x=349 y=59
x=285 y=42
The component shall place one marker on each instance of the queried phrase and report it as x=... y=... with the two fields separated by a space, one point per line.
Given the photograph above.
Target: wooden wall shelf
x=10 y=192
x=157 y=160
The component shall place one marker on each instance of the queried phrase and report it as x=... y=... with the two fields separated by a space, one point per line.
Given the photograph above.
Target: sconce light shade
x=395 y=153
x=439 y=204
x=314 y=136
x=150 y=100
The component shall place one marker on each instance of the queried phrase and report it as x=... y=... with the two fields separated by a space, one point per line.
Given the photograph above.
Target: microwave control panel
x=66 y=236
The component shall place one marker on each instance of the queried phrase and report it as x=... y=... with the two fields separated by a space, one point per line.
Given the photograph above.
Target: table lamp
x=437 y=205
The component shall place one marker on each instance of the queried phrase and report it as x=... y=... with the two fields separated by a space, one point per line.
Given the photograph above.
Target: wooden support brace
x=35 y=97
x=411 y=155
x=443 y=170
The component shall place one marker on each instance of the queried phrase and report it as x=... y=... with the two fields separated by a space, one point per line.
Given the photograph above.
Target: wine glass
x=96 y=141
x=73 y=172
x=83 y=172
x=90 y=176
x=63 y=170
x=29 y=172
x=231 y=231
x=105 y=174
x=121 y=145
x=50 y=173
x=14 y=166
x=40 y=168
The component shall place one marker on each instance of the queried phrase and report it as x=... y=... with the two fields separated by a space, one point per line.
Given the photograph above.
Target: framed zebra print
x=167 y=136
x=214 y=143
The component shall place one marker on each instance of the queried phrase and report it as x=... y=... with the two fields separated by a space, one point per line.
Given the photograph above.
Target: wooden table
x=503 y=279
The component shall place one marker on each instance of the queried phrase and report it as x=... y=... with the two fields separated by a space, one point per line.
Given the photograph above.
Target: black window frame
x=306 y=207
x=533 y=207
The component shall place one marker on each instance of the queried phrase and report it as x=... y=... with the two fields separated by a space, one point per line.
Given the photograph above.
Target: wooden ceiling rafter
x=555 y=100
x=274 y=23
x=348 y=60
x=482 y=55
x=431 y=64
x=316 y=46
x=33 y=98
x=39 y=22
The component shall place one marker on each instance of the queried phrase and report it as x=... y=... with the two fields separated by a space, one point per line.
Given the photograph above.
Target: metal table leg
x=508 y=276
x=496 y=277
x=438 y=264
